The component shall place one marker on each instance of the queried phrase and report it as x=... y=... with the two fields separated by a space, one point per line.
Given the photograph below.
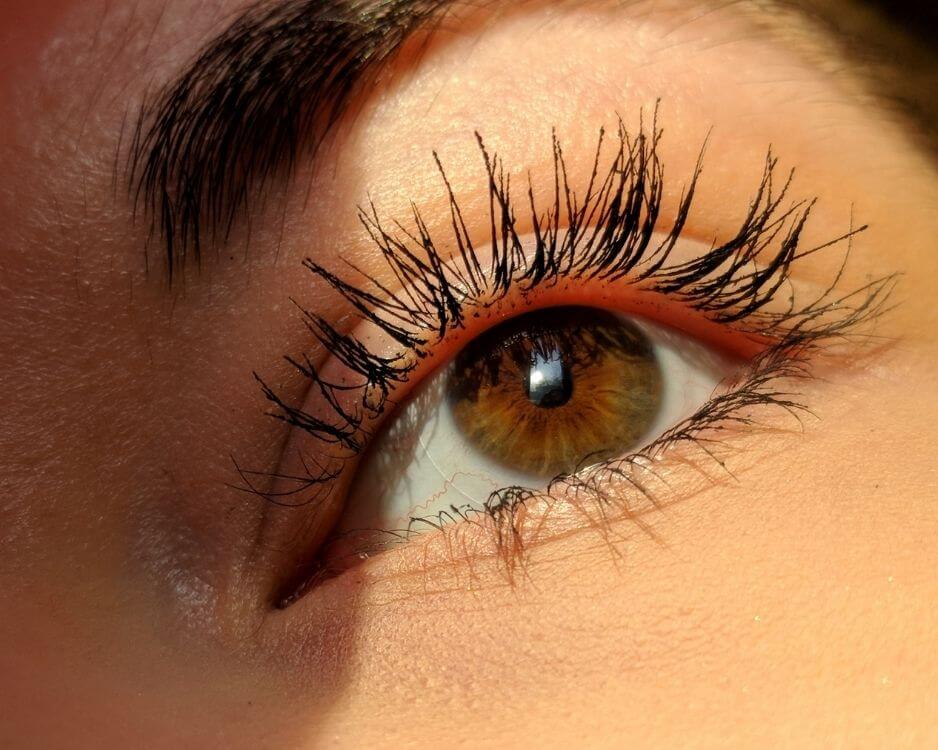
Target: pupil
x=548 y=382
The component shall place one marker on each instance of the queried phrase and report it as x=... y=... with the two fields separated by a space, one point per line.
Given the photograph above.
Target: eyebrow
x=260 y=96
x=264 y=93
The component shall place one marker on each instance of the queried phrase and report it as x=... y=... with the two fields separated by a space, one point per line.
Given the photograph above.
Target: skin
x=789 y=604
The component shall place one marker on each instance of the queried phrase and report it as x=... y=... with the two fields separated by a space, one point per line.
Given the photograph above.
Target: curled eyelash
x=605 y=232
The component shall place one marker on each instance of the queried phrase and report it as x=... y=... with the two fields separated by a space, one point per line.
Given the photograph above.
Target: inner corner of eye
x=540 y=396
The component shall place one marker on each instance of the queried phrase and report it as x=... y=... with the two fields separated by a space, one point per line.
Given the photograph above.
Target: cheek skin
x=772 y=608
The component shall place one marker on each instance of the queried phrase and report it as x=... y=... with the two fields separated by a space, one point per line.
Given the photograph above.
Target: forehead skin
x=791 y=605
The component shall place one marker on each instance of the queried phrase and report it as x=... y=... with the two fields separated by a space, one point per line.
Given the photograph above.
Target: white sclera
x=421 y=464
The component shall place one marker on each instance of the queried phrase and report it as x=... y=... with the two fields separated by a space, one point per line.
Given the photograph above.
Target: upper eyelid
x=196 y=157
x=620 y=204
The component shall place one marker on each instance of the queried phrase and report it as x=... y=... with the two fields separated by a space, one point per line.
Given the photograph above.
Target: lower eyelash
x=602 y=234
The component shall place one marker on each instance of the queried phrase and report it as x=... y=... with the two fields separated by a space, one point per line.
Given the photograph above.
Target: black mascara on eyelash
x=604 y=233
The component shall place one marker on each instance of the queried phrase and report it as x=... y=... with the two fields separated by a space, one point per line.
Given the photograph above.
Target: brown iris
x=551 y=391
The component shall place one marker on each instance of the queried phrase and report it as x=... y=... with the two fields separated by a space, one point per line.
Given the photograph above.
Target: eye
x=392 y=439
x=542 y=395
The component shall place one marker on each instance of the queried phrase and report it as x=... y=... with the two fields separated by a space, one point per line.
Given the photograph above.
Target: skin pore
x=786 y=602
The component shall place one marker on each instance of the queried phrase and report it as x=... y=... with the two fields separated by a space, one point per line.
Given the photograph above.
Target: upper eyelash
x=607 y=235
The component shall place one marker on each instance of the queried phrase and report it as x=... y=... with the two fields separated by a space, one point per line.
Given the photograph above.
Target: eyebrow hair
x=265 y=92
x=261 y=95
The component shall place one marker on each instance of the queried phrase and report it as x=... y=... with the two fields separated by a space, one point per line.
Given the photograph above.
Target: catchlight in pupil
x=548 y=382
x=550 y=390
